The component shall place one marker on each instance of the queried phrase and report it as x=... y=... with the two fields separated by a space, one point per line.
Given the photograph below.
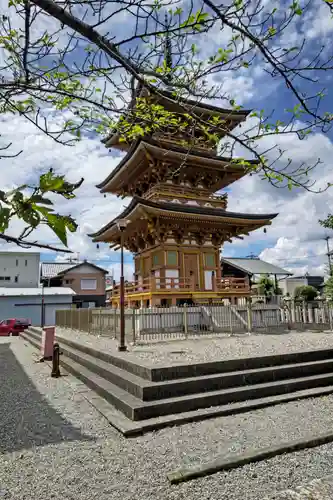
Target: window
x=26 y=262
x=4 y=278
x=171 y=258
x=156 y=259
x=16 y=262
x=210 y=260
x=88 y=284
x=16 y=279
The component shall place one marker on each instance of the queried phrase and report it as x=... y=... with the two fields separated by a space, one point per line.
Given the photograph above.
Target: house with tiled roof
x=86 y=279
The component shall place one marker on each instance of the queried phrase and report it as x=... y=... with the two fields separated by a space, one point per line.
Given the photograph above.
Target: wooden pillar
x=192 y=282
x=213 y=281
x=152 y=282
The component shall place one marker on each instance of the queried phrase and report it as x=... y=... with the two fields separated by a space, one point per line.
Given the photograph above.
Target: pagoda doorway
x=191 y=268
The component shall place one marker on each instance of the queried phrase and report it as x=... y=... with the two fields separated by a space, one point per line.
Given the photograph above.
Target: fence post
x=310 y=313
x=114 y=322
x=133 y=325
x=329 y=312
x=304 y=313
x=230 y=319
x=322 y=307
x=249 y=315
x=185 y=320
x=293 y=312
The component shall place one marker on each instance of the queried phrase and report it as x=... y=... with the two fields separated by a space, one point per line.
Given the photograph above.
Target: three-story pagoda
x=175 y=224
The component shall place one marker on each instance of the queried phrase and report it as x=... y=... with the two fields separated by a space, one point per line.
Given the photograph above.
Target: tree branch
x=28 y=244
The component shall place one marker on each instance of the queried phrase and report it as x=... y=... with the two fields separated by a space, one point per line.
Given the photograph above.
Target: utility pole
x=328 y=254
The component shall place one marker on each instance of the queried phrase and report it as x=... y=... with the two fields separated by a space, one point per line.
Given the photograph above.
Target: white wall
x=289 y=285
x=19 y=269
x=30 y=307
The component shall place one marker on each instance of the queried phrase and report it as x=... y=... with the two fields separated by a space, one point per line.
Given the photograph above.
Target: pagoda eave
x=144 y=153
x=141 y=209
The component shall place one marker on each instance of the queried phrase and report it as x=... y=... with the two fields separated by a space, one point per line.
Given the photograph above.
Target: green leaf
x=58 y=226
x=37 y=198
x=50 y=182
x=4 y=219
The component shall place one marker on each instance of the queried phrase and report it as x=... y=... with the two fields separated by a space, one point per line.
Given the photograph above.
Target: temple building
x=175 y=224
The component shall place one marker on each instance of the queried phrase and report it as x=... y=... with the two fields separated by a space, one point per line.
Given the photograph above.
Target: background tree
x=328 y=289
x=305 y=293
x=266 y=286
x=76 y=59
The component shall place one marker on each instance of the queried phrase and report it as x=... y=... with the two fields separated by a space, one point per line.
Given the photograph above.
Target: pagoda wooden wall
x=183 y=262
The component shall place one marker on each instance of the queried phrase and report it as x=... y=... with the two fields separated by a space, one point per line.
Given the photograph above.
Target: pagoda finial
x=167 y=47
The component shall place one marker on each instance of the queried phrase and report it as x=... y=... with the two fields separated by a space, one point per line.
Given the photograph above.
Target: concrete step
x=136 y=409
x=149 y=391
x=123 y=421
x=163 y=373
x=119 y=361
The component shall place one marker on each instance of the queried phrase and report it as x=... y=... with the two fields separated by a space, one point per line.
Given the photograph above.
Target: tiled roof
x=51 y=269
x=174 y=207
x=254 y=266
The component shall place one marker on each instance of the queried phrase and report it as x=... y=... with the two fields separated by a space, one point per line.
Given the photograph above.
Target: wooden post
x=133 y=325
x=213 y=281
x=192 y=282
x=310 y=313
x=185 y=320
x=249 y=315
x=293 y=312
x=152 y=282
x=230 y=318
x=304 y=313
x=323 y=315
x=329 y=312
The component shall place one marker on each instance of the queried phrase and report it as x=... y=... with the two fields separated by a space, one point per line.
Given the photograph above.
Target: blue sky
x=294 y=240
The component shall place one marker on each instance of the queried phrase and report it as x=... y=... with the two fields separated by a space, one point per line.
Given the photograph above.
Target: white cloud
x=88 y=159
x=295 y=240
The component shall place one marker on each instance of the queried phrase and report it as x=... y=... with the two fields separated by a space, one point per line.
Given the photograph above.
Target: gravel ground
x=209 y=349
x=54 y=444
x=318 y=489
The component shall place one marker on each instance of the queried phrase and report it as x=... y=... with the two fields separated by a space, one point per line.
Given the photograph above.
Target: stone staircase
x=150 y=397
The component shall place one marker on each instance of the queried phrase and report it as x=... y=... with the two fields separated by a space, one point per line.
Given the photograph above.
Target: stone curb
x=234 y=461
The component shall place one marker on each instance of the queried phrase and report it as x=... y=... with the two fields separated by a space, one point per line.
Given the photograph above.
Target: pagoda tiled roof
x=229 y=163
x=165 y=97
x=171 y=207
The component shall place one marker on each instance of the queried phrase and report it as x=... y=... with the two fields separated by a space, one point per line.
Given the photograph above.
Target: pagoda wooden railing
x=154 y=283
x=172 y=190
x=232 y=284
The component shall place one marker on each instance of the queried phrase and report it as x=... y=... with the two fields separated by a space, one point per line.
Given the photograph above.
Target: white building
x=19 y=269
x=34 y=303
x=289 y=285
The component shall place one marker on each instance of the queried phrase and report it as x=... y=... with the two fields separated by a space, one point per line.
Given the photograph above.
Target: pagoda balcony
x=186 y=195
x=169 y=286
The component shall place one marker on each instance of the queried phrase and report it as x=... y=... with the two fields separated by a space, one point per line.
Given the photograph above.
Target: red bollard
x=48 y=335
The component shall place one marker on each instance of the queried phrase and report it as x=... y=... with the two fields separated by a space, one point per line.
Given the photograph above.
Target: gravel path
x=54 y=444
x=210 y=349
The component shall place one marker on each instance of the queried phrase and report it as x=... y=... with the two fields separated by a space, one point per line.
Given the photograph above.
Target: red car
x=13 y=326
